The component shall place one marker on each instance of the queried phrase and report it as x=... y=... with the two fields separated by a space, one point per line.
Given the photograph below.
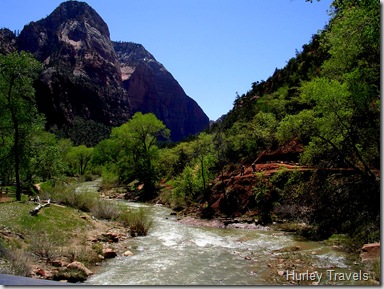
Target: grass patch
x=53 y=220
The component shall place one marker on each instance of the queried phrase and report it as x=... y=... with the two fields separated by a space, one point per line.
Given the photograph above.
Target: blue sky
x=213 y=48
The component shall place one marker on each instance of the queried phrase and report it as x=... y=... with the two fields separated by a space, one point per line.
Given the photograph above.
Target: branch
x=34 y=211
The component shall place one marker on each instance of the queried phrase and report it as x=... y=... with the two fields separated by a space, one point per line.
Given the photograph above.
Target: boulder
x=370 y=252
x=109 y=253
x=40 y=272
x=110 y=237
x=127 y=253
x=80 y=266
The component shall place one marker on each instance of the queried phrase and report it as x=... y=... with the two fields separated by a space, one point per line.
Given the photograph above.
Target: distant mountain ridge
x=87 y=75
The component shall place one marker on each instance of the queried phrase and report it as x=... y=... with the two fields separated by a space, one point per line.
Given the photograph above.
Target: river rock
x=40 y=272
x=370 y=252
x=80 y=266
x=111 y=237
x=127 y=253
x=109 y=253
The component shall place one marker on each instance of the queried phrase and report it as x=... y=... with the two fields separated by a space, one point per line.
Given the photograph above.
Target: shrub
x=138 y=221
x=17 y=261
x=104 y=209
x=109 y=178
x=69 y=195
x=85 y=254
x=20 y=263
x=44 y=246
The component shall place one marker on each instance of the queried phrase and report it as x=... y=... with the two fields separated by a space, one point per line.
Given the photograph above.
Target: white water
x=176 y=254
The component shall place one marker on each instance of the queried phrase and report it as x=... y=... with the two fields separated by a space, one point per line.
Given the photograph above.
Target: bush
x=17 y=261
x=44 y=246
x=104 y=209
x=109 y=178
x=138 y=221
x=83 y=254
x=20 y=263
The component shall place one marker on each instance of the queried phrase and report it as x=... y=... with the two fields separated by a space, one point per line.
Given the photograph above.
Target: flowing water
x=176 y=254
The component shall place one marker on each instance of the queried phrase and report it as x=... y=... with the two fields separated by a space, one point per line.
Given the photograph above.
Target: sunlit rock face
x=86 y=74
x=81 y=75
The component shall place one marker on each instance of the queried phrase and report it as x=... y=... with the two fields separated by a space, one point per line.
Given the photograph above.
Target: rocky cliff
x=7 y=41
x=151 y=88
x=81 y=75
x=87 y=75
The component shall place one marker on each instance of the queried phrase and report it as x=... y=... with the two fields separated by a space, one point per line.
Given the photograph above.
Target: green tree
x=45 y=160
x=203 y=151
x=137 y=140
x=19 y=113
x=342 y=124
x=79 y=158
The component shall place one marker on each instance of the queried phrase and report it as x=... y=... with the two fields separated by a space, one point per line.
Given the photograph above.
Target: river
x=177 y=254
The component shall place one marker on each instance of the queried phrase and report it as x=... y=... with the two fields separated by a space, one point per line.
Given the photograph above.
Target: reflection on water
x=176 y=254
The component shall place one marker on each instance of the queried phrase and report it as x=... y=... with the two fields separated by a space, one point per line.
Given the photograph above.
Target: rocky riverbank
x=27 y=250
x=100 y=240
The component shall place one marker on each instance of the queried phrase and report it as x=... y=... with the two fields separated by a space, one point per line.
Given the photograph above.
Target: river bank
x=99 y=244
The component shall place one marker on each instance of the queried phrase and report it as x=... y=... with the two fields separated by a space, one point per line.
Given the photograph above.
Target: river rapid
x=177 y=254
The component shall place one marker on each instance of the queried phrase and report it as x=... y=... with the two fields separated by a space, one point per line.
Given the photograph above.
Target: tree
x=79 y=159
x=44 y=160
x=342 y=127
x=137 y=140
x=203 y=150
x=17 y=73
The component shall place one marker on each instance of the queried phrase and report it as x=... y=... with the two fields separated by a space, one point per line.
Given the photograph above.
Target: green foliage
x=69 y=196
x=105 y=209
x=198 y=169
x=45 y=159
x=186 y=187
x=83 y=132
x=19 y=118
x=266 y=197
x=79 y=159
x=138 y=221
x=132 y=152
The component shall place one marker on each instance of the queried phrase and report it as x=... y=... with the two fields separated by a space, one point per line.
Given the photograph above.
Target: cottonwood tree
x=17 y=105
x=79 y=158
x=138 y=153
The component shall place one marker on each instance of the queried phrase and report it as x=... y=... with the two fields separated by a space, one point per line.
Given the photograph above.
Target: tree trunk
x=17 y=156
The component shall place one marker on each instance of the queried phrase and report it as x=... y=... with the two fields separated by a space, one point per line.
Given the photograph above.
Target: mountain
x=81 y=75
x=151 y=88
x=87 y=75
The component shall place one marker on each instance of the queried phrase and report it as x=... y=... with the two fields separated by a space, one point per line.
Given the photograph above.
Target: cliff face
x=81 y=74
x=151 y=88
x=7 y=41
x=85 y=74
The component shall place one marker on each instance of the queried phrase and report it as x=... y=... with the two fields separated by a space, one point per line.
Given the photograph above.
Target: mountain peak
x=77 y=11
